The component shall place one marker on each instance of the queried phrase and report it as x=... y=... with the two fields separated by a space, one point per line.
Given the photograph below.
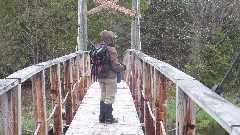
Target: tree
x=36 y=31
x=166 y=32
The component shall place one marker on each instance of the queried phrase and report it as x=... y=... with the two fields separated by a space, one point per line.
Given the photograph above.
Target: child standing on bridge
x=108 y=84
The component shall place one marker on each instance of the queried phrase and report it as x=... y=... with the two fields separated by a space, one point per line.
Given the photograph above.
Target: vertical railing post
x=39 y=102
x=138 y=88
x=67 y=67
x=81 y=74
x=161 y=101
x=128 y=70
x=85 y=72
x=5 y=112
x=131 y=72
x=16 y=110
x=88 y=72
x=142 y=94
x=149 y=129
x=133 y=77
x=136 y=85
x=76 y=77
x=56 y=92
x=10 y=107
x=185 y=111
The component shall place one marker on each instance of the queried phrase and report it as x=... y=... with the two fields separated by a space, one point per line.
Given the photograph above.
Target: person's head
x=108 y=37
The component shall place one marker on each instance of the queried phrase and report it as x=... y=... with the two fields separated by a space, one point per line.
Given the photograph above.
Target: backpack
x=99 y=58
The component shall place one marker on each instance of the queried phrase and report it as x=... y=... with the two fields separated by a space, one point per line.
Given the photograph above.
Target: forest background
x=199 y=37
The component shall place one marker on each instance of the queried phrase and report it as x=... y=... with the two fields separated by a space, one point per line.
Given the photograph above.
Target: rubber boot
x=108 y=115
x=102 y=112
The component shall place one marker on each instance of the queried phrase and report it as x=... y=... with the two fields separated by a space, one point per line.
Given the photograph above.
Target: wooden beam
x=4 y=105
x=67 y=67
x=99 y=8
x=56 y=93
x=16 y=110
x=113 y=5
x=39 y=102
x=185 y=111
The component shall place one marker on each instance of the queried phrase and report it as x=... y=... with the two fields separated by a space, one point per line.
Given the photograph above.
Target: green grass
x=28 y=120
x=204 y=120
x=171 y=106
x=234 y=100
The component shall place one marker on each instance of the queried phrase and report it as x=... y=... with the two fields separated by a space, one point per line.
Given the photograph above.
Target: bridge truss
x=108 y=4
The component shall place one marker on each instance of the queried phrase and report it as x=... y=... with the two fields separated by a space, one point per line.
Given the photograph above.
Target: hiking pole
x=217 y=88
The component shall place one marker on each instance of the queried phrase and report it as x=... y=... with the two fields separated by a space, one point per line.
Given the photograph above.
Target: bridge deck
x=86 y=122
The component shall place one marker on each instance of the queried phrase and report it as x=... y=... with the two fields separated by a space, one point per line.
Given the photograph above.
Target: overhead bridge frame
x=107 y=4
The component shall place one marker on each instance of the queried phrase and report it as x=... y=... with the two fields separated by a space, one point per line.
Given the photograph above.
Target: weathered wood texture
x=86 y=120
x=161 y=101
x=185 y=123
x=148 y=87
x=10 y=93
x=190 y=91
x=68 y=80
x=10 y=107
x=39 y=102
x=113 y=5
x=57 y=99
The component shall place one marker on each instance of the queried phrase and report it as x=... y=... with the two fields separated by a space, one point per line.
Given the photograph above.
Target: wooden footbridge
x=141 y=100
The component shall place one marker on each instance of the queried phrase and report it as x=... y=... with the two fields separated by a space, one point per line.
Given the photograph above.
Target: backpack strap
x=108 y=55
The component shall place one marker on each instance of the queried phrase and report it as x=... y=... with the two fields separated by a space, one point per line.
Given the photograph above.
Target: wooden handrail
x=147 y=78
x=76 y=65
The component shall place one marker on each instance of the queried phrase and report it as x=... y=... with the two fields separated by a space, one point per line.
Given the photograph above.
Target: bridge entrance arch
x=108 y=4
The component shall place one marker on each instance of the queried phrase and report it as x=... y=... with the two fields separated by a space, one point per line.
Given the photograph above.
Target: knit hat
x=108 y=37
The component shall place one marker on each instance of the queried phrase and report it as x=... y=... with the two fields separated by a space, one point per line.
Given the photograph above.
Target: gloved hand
x=124 y=67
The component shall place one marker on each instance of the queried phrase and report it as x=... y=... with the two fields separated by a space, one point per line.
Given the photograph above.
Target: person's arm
x=115 y=64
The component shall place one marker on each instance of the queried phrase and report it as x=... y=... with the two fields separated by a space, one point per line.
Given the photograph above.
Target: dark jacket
x=108 y=38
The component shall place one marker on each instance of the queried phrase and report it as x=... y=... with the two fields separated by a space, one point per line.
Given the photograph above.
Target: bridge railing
x=147 y=78
x=72 y=72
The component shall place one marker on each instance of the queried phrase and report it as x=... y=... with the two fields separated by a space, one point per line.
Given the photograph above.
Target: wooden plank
x=148 y=120
x=16 y=110
x=50 y=63
x=10 y=107
x=68 y=90
x=169 y=71
x=4 y=104
x=114 y=6
x=56 y=93
x=185 y=124
x=7 y=84
x=161 y=101
x=28 y=72
x=86 y=121
x=140 y=88
x=39 y=102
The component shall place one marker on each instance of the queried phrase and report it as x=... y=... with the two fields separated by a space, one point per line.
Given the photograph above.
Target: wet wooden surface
x=86 y=121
